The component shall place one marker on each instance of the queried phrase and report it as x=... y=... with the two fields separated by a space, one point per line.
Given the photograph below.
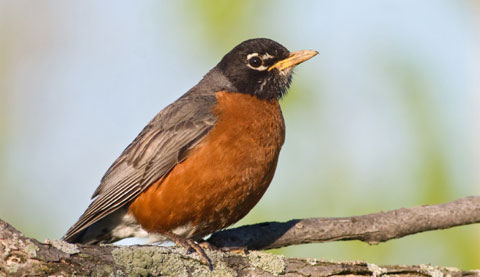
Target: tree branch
x=22 y=256
x=371 y=228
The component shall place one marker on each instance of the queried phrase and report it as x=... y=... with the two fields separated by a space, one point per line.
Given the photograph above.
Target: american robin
x=204 y=161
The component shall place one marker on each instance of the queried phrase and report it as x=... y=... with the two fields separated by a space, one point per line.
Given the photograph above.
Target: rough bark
x=23 y=256
x=371 y=228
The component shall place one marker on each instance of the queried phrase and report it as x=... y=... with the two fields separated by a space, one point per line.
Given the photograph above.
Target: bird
x=204 y=161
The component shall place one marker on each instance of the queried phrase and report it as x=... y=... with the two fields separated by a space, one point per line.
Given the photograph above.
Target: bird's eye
x=255 y=61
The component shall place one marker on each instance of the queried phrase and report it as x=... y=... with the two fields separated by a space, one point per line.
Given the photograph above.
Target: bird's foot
x=233 y=249
x=190 y=245
x=207 y=245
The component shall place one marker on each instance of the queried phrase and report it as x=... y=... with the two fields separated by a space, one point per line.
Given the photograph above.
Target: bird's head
x=262 y=67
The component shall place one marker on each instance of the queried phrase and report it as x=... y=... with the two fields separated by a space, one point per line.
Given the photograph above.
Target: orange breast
x=223 y=177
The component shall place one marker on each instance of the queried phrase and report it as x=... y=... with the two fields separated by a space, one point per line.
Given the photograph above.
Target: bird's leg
x=190 y=244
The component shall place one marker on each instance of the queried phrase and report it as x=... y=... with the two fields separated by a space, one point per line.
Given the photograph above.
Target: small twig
x=371 y=228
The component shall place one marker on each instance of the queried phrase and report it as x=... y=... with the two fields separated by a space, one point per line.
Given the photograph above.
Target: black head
x=261 y=67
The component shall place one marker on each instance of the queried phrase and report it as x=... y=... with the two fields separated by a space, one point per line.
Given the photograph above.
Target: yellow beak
x=294 y=59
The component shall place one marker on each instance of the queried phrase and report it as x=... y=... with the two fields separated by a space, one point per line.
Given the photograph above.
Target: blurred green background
x=386 y=116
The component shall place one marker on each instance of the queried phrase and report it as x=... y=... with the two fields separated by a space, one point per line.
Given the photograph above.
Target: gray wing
x=163 y=143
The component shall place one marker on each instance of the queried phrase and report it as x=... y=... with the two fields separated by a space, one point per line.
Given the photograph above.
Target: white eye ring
x=254 y=59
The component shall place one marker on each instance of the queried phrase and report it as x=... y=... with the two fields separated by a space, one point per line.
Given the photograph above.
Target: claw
x=207 y=245
x=190 y=244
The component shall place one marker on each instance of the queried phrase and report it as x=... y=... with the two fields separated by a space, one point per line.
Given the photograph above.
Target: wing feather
x=163 y=143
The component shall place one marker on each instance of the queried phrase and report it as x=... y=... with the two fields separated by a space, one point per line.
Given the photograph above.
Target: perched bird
x=204 y=161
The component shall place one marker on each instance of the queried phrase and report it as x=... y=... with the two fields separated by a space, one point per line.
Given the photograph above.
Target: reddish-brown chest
x=223 y=177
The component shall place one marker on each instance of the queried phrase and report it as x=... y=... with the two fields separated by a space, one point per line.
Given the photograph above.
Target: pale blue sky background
x=386 y=116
